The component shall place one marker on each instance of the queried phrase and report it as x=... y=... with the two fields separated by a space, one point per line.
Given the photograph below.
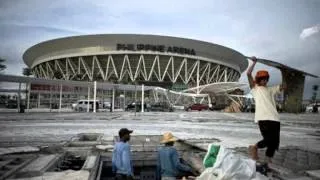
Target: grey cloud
x=31 y=27
x=307 y=32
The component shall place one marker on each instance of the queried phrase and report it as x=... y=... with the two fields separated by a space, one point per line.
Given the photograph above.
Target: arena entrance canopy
x=218 y=88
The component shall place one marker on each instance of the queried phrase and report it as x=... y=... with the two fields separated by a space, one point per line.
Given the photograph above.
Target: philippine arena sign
x=159 y=48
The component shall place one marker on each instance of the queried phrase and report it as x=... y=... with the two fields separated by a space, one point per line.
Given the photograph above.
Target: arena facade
x=132 y=58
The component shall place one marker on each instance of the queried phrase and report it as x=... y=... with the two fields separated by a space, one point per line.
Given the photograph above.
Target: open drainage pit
x=89 y=137
x=68 y=162
x=144 y=169
x=144 y=157
x=85 y=139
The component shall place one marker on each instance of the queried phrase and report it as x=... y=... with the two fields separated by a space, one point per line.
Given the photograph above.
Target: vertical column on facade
x=113 y=96
x=198 y=71
x=28 y=95
x=124 y=99
x=88 y=105
x=94 y=95
x=50 y=97
x=19 y=96
x=209 y=100
x=60 y=97
x=142 y=98
x=38 y=99
x=135 y=99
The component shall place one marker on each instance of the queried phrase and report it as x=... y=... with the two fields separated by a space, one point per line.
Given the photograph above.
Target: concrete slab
x=65 y=175
x=107 y=138
x=104 y=147
x=76 y=175
x=23 y=149
x=46 y=176
x=236 y=130
x=89 y=163
x=298 y=178
x=38 y=166
x=11 y=164
x=314 y=173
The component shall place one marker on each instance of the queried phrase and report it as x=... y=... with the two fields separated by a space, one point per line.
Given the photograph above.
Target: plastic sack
x=230 y=166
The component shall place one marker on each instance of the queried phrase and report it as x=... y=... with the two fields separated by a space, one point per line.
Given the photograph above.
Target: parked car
x=197 y=107
x=314 y=107
x=162 y=107
x=12 y=104
x=132 y=106
x=82 y=105
x=178 y=107
x=106 y=105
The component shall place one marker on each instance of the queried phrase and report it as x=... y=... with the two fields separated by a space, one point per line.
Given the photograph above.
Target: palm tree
x=2 y=66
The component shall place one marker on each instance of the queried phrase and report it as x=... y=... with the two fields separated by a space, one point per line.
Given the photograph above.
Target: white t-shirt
x=265 y=102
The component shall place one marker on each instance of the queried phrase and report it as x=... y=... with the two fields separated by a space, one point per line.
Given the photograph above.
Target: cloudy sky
x=286 y=31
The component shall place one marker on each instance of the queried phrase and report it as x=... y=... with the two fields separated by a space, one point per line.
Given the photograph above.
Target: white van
x=82 y=105
x=310 y=107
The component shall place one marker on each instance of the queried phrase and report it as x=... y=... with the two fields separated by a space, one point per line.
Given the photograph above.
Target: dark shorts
x=270 y=131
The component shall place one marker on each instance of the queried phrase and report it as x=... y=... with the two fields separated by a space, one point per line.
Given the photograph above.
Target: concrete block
x=314 y=173
x=45 y=176
x=106 y=138
x=298 y=178
x=104 y=147
x=65 y=175
x=23 y=149
x=13 y=164
x=302 y=157
x=89 y=163
x=83 y=143
x=38 y=166
x=289 y=164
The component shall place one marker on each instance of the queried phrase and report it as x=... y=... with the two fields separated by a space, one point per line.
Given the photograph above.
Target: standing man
x=121 y=156
x=168 y=164
x=266 y=114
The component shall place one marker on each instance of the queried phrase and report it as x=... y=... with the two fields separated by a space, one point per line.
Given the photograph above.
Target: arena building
x=132 y=58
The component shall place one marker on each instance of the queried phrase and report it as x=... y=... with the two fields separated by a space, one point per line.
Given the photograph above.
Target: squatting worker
x=168 y=164
x=121 y=156
x=266 y=114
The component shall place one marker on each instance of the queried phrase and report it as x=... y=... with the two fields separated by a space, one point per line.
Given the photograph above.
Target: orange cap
x=262 y=73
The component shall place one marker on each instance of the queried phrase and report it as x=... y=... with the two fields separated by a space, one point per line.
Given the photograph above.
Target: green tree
x=2 y=66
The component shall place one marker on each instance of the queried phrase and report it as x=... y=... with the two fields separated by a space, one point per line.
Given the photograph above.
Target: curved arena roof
x=104 y=43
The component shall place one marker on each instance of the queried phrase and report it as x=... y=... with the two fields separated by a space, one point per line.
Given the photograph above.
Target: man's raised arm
x=249 y=72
